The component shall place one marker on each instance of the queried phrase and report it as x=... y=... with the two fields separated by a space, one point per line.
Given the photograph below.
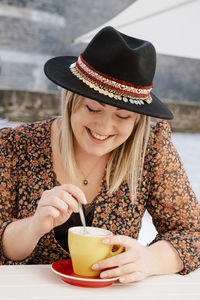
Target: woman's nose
x=105 y=124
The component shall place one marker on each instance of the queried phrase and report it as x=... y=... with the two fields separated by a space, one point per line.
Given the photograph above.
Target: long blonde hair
x=125 y=162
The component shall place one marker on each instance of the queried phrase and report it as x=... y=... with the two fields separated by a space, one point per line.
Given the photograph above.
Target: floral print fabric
x=26 y=170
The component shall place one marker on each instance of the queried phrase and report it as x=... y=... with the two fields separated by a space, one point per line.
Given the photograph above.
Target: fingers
x=126 y=273
x=50 y=211
x=119 y=271
x=63 y=202
x=114 y=261
x=133 y=277
x=56 y=206
x=68 y=193
x=120 y=259
x=121 y=240
x=70 y=202
x=58 y=203
x=129 y=266
x=74 y=191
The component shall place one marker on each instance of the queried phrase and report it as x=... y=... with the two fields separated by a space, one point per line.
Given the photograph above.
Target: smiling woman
x=102 y=153
x=102 y=131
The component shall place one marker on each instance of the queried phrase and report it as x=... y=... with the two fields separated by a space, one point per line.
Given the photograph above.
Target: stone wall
x=186 y=116
x=32 y=106
x=32 y=31
x=25 y=106
x=177 y=78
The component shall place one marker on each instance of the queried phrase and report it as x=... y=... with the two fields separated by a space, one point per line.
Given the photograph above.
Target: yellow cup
x=87 y=249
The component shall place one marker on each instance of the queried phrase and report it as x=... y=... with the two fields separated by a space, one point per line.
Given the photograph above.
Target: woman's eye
x=123 y=118
x=92 y=110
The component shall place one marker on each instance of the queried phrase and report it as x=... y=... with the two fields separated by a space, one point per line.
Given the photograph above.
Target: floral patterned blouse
x=26 y=170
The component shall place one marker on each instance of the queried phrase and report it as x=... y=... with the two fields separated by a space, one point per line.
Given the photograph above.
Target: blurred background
x=32 y=31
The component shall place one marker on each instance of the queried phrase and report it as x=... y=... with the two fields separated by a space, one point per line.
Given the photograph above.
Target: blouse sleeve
x=9 y=153
x=172 y=202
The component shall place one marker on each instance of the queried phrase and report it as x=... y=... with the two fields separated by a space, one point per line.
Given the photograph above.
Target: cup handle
x=118 y=251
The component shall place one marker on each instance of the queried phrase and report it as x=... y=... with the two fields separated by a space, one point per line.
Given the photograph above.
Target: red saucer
x=63 y=268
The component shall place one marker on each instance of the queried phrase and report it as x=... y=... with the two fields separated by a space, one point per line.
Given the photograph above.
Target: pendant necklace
x=85 y=180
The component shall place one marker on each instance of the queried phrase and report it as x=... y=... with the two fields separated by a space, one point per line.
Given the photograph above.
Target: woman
x=102 y=153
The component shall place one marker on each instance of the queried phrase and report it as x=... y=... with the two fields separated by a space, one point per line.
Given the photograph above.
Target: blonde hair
x=125 y=162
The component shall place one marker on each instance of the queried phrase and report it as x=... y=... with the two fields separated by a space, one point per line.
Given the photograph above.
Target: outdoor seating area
x=99 y=150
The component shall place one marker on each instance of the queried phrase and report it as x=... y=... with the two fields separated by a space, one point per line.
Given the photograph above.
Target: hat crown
x=122 y=57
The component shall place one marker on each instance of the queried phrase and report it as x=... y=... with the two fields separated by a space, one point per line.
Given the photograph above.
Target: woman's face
x=99 y=128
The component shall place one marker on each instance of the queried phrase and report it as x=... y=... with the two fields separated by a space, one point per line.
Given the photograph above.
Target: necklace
x=85 y=180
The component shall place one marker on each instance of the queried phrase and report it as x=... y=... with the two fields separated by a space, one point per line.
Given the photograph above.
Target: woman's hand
x=55 y=207
x=138 y=261
x=131 y=265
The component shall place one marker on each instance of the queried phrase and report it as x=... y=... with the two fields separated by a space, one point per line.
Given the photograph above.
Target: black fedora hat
x=114 y=69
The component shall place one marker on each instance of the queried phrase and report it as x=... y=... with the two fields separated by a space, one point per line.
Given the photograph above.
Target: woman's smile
x=96 y=136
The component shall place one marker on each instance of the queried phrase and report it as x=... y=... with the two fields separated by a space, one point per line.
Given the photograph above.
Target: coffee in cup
x=86 y=249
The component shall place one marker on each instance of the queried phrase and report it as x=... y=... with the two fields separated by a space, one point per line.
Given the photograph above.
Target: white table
x=39 y=282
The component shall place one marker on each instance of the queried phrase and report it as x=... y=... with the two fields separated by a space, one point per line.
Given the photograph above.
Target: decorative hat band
x=109 y=86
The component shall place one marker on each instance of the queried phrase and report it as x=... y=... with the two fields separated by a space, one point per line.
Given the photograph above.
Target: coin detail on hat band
x=109 y=86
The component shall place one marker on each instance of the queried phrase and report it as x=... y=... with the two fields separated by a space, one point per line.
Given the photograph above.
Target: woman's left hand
x=132 y=265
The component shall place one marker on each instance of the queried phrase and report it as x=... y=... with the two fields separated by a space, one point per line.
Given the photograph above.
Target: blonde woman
x=103 y=153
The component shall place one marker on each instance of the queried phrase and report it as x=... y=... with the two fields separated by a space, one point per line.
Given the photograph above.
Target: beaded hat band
x=109 y=86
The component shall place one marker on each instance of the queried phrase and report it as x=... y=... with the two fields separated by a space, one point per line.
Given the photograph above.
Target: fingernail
x=103 y=275
x=95 y=267
x=106 y=241
x=121 y=279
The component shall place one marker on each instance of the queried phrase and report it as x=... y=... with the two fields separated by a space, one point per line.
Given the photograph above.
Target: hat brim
x=58 y=71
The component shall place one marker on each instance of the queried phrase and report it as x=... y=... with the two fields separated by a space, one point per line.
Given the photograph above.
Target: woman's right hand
x=55 y=207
